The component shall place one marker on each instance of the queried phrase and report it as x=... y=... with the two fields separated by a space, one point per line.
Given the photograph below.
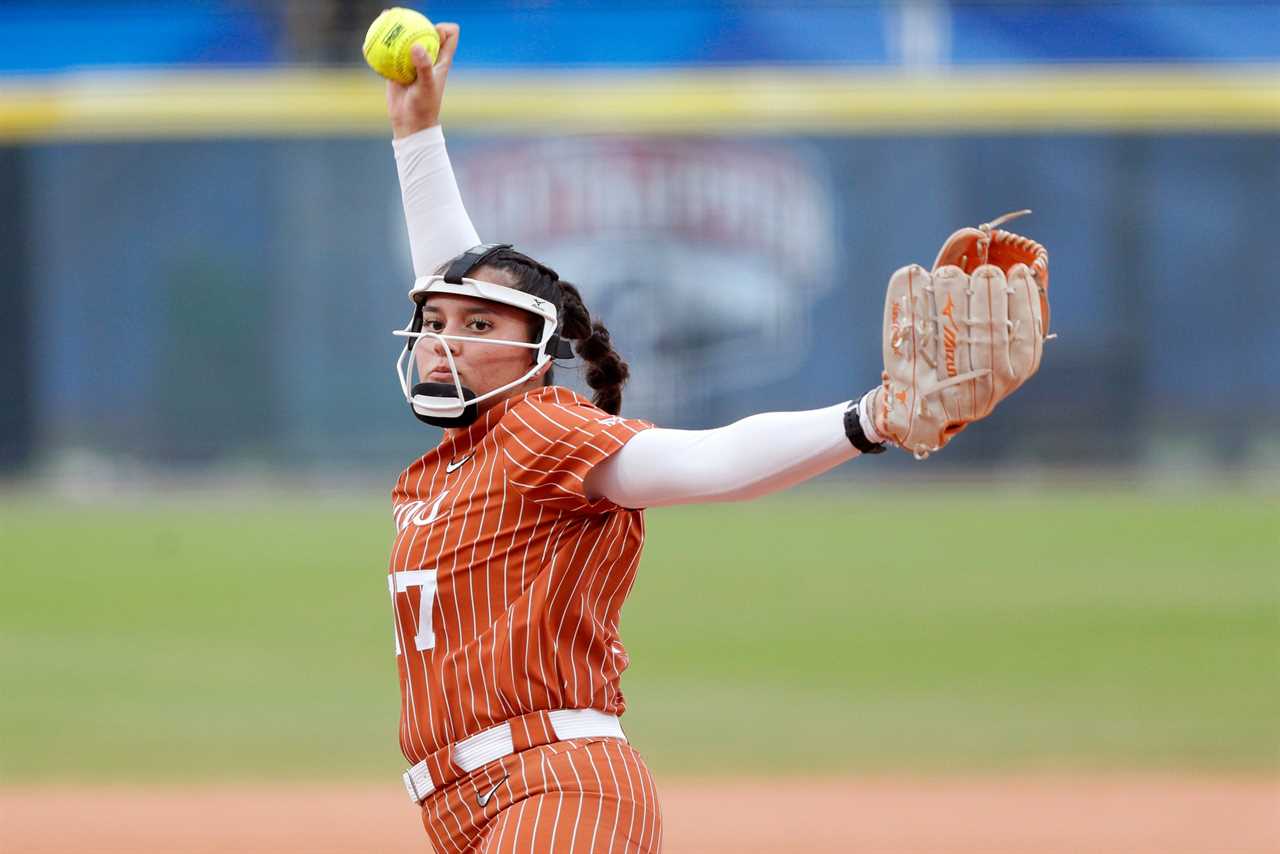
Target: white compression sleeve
x=749 y=458
x=439 y=227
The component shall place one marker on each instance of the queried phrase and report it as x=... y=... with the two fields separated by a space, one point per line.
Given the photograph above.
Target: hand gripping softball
x=960 y=339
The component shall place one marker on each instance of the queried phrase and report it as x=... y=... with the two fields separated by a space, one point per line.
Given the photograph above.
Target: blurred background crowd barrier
x=202 y=251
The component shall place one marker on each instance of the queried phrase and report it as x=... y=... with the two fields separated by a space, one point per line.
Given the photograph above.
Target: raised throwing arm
x=439 y=227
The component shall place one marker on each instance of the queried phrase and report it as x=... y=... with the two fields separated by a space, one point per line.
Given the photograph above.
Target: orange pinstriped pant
x=581 y=796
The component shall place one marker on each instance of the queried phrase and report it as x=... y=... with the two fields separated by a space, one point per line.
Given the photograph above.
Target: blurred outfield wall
x=203 y=266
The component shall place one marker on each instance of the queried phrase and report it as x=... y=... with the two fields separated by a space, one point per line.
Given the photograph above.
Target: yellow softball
x=390 y=38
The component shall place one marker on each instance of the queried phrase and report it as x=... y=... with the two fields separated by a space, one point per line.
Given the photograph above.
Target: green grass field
x=216 y=638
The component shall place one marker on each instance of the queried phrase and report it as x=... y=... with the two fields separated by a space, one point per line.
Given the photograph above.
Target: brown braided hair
x=606 y=372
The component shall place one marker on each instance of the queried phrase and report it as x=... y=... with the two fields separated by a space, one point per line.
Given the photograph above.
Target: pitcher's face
x=481 y=367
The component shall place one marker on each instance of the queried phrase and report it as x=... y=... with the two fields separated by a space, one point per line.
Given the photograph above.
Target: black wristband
x=853 y=429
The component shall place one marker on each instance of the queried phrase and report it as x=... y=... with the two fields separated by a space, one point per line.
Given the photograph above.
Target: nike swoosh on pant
x=483 y=800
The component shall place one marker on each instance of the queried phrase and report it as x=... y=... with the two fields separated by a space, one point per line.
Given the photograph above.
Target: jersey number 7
x=425 y=581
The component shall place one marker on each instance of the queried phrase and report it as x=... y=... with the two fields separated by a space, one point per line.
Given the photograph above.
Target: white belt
x=495 y=743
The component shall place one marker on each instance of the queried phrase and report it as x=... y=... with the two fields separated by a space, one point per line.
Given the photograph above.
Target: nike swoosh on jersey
x=483 y=800
x=454 y=466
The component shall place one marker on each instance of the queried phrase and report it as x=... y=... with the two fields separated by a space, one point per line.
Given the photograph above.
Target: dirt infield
x=1031 y=815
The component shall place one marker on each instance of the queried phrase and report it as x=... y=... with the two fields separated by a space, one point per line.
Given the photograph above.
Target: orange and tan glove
x=960 y=339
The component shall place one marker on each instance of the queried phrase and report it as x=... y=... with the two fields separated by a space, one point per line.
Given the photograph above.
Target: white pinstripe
x=609 y=565
x=638 y=792
x=451 y=592
x=506 y=710
x=511 y=821
x=440 y=815
x=471 y=595
x=560 y=792
x=582 y=577
x=589 y=583
x=617 y=816
x=525 y=562
x=595 y=828
x=425 y=534
x=651 y=809
x=537 y=816
x=636 y=787
x=473 y=477
x=565 y=605
x=577 y=818
x=542 y=659
x=622 y=589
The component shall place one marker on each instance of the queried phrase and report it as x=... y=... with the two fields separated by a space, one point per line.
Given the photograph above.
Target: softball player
x=518 y=537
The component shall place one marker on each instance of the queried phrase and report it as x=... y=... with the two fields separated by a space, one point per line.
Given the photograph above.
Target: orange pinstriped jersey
x=506 y=581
